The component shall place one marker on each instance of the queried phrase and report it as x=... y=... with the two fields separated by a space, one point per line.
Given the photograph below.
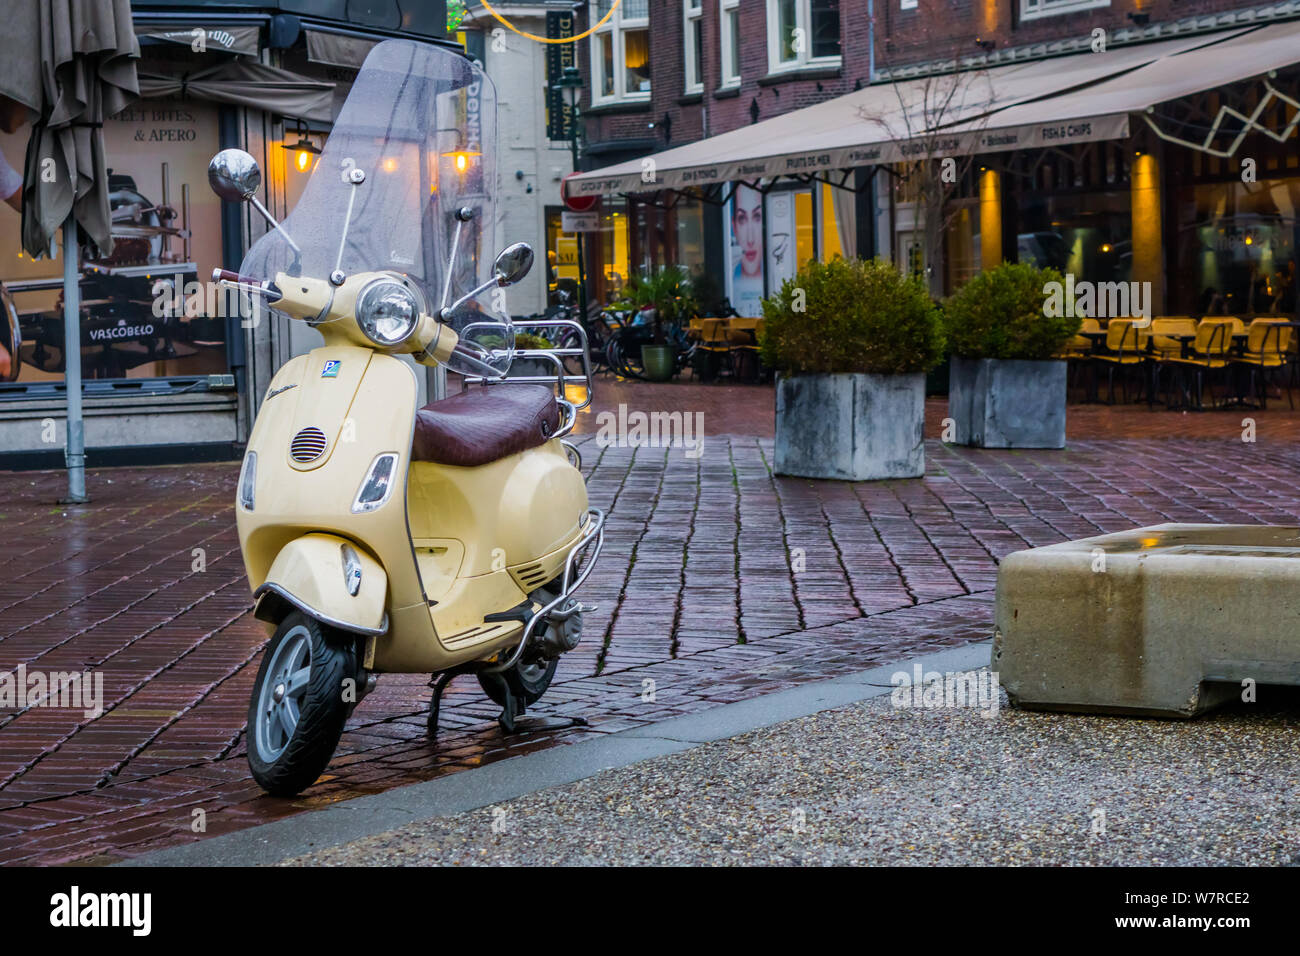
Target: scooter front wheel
x=299 y=704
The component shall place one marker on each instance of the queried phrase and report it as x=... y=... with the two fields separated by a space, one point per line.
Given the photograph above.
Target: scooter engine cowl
x=563 y=629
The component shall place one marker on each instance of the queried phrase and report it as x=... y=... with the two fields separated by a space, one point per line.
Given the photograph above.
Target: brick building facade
x=930 y=31
x=1131 y=205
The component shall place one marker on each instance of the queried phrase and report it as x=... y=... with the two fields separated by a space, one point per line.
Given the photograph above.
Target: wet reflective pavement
x=719 y=582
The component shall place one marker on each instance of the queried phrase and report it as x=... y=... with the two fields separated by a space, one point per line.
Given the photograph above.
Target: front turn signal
x=377 y=487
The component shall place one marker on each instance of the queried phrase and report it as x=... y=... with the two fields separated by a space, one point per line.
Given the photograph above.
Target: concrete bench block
x=1162 y=621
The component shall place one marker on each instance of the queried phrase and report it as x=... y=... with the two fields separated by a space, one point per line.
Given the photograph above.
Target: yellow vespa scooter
x=379 y=535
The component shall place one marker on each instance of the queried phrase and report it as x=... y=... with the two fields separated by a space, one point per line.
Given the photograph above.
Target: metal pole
x=75 y=449
x=582 y=239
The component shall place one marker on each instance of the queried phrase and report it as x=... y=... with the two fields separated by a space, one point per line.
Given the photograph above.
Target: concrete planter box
x=1008 y=403
x=850 y=427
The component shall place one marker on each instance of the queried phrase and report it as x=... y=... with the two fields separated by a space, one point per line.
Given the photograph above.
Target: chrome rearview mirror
x=234 y=176
x=513 y=263
x=511 y=266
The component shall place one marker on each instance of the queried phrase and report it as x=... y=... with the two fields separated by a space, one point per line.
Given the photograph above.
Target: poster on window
x=780 y=225
x=745 y=251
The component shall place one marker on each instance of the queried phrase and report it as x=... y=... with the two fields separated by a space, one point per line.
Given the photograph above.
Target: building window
x=729 y=45
x=693 y=40
x=1029 y=9
x=620 y=51
x=803 y=33
x=907 y=4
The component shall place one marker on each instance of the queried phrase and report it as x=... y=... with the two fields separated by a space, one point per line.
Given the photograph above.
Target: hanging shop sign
x=579 y=221
x=560 y=25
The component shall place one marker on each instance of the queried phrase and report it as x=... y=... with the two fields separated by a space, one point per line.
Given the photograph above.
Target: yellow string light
x=533 y=36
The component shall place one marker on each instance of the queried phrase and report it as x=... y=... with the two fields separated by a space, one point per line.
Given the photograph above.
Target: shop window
x=146 y=313
x=1085 y=234
x=1235 y=248
x=1031 y=9
x=690 y=233
x=693 y=36
x=805 y=229
x=962 y=247
x=729 y=47
x=620 y=51
x=832 y=244
x=605 y=254
x=803 y=33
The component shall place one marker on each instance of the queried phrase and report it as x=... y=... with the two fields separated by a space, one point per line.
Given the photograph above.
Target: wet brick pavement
x=698 y=602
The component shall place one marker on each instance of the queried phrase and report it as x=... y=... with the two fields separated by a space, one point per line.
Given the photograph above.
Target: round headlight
x=387 y=312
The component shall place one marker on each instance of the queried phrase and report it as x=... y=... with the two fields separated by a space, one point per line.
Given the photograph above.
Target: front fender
x=307 y=574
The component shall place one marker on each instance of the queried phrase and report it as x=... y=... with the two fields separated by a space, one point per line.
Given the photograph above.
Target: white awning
x=1083 y=97
x=1173 y=76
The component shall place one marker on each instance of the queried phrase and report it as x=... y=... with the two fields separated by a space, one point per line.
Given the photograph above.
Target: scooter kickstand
x=512 y=708
x=439 y=684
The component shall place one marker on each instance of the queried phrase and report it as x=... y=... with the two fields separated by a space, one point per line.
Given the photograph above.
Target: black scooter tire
x=322 y=710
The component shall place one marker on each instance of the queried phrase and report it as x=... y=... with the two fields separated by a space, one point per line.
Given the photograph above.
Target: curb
x=351 y=820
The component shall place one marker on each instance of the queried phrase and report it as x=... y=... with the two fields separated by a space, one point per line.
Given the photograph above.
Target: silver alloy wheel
x=279 y=699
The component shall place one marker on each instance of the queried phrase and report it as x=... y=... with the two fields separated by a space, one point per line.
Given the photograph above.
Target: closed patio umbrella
x=72 y=63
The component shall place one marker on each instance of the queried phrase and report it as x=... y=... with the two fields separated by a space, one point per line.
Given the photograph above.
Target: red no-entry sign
x=576 y=203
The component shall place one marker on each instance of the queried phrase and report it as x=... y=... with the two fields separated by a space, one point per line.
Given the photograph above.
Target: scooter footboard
x=329 y=578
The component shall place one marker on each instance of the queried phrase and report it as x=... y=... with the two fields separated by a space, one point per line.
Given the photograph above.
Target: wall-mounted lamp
x=461 y=159
x=303 y=150
x=1141 y=19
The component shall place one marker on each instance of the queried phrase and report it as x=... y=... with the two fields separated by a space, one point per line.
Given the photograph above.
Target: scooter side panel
x=493 y=519
x=505 y=513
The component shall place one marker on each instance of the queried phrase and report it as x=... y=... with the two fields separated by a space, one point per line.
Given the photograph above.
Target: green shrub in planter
x=852 y=341
x=1005 y=389
x=851 y=316
x=999 y=314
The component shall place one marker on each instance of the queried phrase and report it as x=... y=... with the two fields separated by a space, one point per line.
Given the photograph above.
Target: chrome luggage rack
x=594 y=533
x=561 y=379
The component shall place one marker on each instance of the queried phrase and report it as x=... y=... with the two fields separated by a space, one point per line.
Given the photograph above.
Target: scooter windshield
x=418 y=129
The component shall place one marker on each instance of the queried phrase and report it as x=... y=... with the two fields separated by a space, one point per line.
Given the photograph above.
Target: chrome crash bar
x=561 y=379
x=594 y=533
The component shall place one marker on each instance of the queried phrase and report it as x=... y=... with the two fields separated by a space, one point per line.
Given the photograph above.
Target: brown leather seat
x=485 y=423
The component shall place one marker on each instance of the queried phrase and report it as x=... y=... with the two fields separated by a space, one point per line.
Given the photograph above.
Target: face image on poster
x=745 y=251
x=780 y=239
